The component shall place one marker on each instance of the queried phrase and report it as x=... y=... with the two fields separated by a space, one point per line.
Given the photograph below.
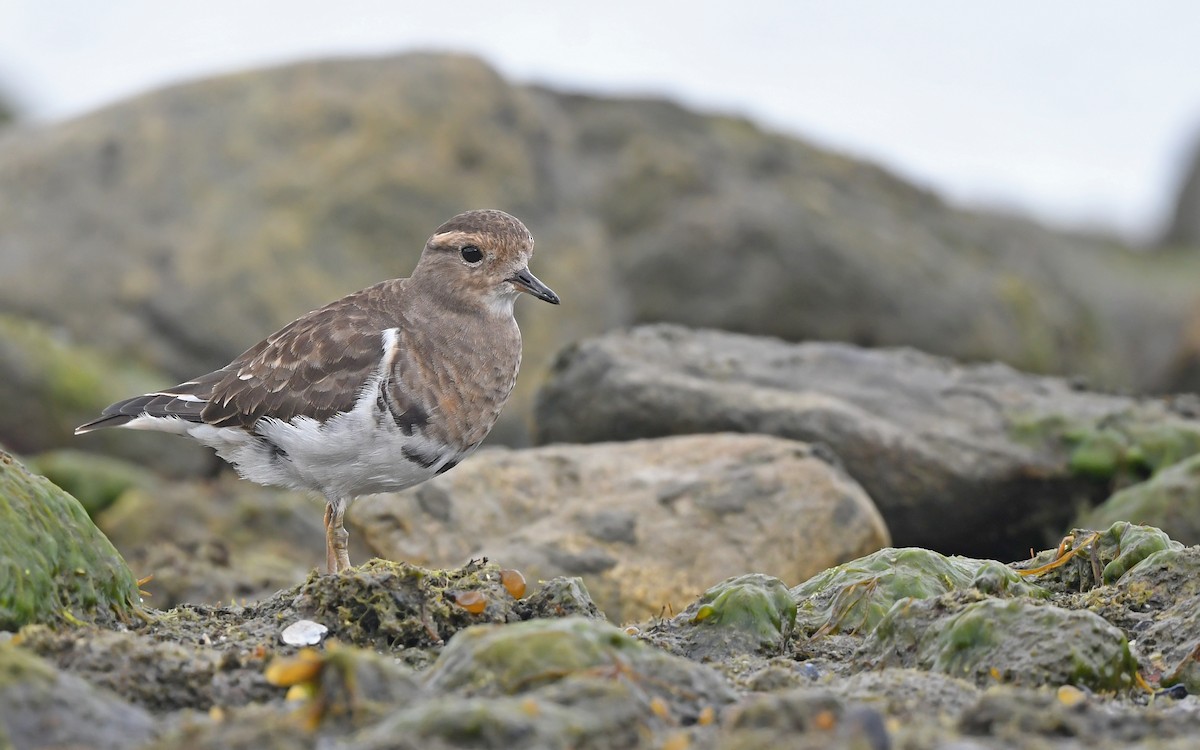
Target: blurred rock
x=49 y=384
x=1184 y=228
x=1169 y=500
x=95 y=481
x=41 y=707
x=649 y=525
x=175 y=229
x=979 y=460
x=219 y=541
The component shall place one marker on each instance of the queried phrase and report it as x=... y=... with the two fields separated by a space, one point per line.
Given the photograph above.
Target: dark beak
x=526 y=282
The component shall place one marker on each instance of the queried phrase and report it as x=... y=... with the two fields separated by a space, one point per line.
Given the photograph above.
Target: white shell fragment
x=303 y=633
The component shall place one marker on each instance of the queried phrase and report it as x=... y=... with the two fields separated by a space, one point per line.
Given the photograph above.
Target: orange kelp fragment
x=1063 y=558
x=472 y=601
x=513 y=582
x=303 y=667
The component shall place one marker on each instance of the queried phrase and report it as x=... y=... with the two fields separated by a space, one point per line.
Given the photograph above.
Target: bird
x=378 y=391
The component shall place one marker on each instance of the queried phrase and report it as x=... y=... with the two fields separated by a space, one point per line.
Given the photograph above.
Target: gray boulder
x=973 y=459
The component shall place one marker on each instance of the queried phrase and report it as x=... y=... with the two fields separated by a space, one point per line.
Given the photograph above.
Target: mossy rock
x=1015 y=641
x=752 y=613
x=755 y=606
x=1124 y=446
x=521 y=656
x=526 y=656
x=1128 y=447
x=571 y=682
x=392 y=606
x=855 y=596
x=1170 y=500
x=1162 y=593
x=55 y=565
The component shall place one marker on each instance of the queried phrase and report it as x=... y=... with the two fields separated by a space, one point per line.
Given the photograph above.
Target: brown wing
x=315 y=366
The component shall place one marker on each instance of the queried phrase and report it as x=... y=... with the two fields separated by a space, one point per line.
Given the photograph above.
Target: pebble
x=303 y=633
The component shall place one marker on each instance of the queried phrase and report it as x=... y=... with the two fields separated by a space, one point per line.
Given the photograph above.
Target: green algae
x=753 y=607
x=55 y=565
x=523 y=655
x=573 y=663
x=1116 y=446
x=390 y=606
x=855 y=596
x=1014 y=641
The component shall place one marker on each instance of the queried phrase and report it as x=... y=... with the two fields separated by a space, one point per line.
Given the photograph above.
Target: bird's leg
x=330 y=555
x=337 y=557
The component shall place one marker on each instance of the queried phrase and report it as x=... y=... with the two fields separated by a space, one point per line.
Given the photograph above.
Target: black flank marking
x=381 y=400
x=418 y=458
x=449 y=465
x=411 y=419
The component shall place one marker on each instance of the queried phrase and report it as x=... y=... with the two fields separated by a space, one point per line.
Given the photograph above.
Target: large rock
x=977 y=460
x=1184 y=228
x=1169 y=500
x=55 y=565
x=41 y=707
x=177 y=228
x=649 y=525
x=49 y=384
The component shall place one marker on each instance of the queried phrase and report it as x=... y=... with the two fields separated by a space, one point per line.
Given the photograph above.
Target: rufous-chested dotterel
x=376 y=392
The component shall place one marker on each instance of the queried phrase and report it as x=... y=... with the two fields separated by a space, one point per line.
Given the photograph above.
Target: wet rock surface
x=966 y=653
x=973 y=459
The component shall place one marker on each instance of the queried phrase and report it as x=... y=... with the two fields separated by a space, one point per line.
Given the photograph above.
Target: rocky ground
x=605 y=614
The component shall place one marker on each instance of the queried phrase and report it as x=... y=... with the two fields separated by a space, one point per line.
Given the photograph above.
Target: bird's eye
x=472 y=254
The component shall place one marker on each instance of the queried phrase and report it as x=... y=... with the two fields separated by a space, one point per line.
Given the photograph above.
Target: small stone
x=303 y=633
x=1178 y=692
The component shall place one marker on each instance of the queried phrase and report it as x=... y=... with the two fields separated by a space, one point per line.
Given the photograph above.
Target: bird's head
x=482 y=258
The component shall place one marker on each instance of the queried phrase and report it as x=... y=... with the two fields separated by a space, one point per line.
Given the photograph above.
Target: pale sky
x=1079 y=112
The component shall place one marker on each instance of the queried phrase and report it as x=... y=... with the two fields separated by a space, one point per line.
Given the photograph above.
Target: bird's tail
x=164 y=410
